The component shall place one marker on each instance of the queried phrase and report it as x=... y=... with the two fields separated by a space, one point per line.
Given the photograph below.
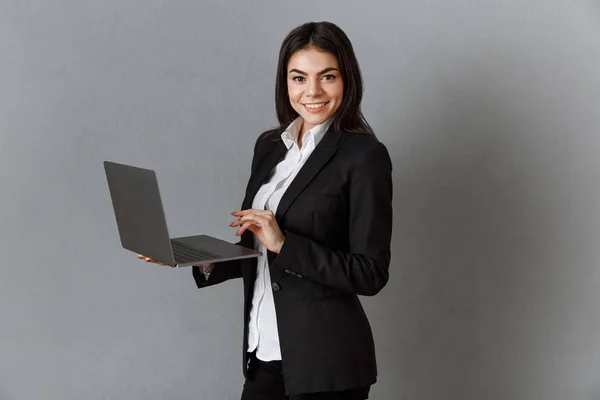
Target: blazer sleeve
x=363 y=269
x=221 y=272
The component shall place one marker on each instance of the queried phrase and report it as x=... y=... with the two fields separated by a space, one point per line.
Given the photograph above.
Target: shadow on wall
x=467 y=249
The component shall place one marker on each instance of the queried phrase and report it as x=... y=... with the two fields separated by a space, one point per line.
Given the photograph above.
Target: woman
x=319 y=206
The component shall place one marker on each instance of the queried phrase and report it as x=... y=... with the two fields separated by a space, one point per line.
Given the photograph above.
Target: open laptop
x=143 y=227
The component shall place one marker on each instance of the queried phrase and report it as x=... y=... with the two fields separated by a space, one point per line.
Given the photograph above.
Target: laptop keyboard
x=184 y=253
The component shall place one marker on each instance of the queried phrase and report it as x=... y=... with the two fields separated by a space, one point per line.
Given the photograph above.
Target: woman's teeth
x=315 y=106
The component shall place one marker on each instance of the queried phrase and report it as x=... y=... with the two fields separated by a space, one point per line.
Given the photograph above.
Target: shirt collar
x=290 y=135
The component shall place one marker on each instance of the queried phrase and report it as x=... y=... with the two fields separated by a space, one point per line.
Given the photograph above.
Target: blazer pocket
x=328 y=293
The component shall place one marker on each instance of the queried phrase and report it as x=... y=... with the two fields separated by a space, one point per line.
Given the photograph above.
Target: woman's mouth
x=315 y=107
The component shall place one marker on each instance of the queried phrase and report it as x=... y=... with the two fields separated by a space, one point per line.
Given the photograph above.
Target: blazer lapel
x=324 y=150
x=275 y=153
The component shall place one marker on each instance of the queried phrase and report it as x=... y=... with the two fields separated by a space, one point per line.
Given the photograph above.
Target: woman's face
x=315 y=86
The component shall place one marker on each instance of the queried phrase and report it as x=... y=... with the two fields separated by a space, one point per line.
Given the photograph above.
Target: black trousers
x=266 y=383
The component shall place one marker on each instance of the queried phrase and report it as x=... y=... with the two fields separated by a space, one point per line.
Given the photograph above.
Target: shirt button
x=275 y=286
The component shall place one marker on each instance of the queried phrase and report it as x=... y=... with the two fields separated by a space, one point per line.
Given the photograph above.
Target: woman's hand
x=263 y=224
x=148 y=259
x=205 y=267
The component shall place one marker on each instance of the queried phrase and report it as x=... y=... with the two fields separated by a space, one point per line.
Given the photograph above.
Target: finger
x=267 y=222
x=250 y=221
x=235 y=223
x=243 y=212
x=241 y=220
x=259 y=218
x=251 y=211
x=254 y=221
x=244 y=227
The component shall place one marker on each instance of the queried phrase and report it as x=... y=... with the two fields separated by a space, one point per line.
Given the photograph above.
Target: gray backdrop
x=489 y=110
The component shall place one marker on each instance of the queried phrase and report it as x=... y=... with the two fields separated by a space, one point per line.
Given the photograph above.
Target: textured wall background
x=490 y=112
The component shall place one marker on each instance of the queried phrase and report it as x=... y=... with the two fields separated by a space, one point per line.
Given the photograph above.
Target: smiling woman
x=318 y=206
x=316 y=57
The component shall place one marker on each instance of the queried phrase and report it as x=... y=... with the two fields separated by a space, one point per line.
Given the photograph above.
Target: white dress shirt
x=263 y=336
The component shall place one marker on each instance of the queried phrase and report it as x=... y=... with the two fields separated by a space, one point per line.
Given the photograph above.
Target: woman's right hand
x=205 y=267
x=148 y=259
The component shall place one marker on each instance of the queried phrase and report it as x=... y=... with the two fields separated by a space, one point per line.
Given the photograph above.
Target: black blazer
x=337 y=219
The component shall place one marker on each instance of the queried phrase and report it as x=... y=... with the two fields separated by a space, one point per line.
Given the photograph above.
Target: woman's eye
x=298 y=78
x=329 y=77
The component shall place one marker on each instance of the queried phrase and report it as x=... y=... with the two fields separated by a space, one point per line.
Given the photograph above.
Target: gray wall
x=490 y=112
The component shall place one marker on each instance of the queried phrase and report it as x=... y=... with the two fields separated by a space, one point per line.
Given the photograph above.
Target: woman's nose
x=314 y=89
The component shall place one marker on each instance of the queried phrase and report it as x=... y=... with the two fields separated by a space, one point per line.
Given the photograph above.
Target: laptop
x=142 y=223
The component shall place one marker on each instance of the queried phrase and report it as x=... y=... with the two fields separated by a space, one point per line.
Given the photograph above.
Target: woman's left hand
x=263 y=224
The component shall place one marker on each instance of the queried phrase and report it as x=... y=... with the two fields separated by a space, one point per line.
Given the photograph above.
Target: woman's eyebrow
x=329 y=69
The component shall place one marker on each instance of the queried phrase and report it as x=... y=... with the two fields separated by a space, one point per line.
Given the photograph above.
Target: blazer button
x=275 y=286
x=287 y=271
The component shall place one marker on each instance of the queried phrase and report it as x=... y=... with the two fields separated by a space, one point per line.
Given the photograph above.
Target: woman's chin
x=314 y=119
